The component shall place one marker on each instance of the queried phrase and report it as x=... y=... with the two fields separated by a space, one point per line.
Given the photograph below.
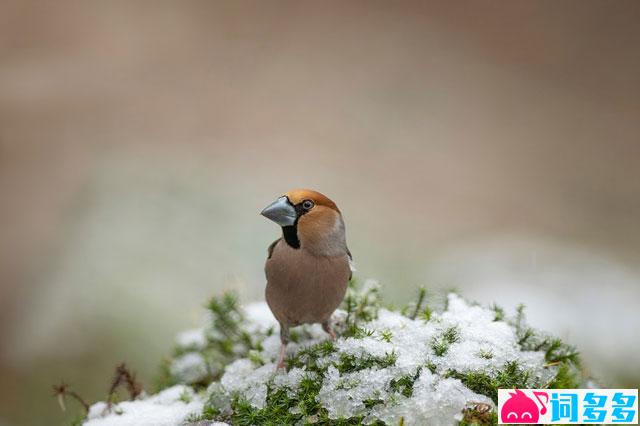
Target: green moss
x=485 y=354
x=307 y=357
x=404 y=385
x=275 y=412
x=510 y=377
x=418 y=309
x=361 y=332
x=422 y=293
x=226 y=341
x=440 y=345
x=558 y=352
x=350 y=363
x=185 y=397
x=282 y=409
x=226 y=314
x=209 y=413
x=386 y=335
x=567 y=377
x=499 y=313
x=361 y=302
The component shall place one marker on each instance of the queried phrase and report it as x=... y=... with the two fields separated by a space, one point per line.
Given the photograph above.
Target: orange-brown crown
x=299 y=195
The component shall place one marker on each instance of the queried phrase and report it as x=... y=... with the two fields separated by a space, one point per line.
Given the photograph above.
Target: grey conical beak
x=281 y=212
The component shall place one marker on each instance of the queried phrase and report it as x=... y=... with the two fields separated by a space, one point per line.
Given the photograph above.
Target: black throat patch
x=290 y=234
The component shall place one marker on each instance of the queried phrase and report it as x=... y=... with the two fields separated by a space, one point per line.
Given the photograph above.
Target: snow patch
x=395 y=348
x=168 y=408
x=392 y=368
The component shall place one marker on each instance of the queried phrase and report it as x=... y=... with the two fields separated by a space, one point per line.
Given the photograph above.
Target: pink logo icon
x=519 y=408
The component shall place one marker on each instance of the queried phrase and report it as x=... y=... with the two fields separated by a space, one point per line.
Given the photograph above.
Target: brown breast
x=304 y=288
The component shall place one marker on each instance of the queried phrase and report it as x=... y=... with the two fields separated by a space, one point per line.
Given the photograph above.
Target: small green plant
x=485 y=354
x=404 y=384
x=361 y=303
x=440 y=345
x=386 y=335
x=185 y=397
x=488 y=383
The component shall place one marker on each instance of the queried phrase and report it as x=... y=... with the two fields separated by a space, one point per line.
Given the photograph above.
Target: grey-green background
x=489 y=146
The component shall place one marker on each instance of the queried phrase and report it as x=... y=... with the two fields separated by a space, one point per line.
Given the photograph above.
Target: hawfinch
x=309 y=267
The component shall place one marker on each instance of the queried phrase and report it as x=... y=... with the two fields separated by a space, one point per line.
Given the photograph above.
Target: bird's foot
x=332 y=334
x=327 y=328
x=280 y=365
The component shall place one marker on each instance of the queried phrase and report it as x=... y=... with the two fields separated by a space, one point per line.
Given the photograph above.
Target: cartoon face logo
x=519 y=408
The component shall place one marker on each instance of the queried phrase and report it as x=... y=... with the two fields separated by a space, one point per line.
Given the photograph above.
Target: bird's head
x=309 y=219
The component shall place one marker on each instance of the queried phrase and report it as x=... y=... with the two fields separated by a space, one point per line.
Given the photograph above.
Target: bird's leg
x=326 y=326
x=283 y=351
x=284 y=339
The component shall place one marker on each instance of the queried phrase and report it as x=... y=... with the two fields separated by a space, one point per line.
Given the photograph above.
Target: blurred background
x=492 y=147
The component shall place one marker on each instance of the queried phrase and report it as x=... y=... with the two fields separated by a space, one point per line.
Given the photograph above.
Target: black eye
x=307 y=204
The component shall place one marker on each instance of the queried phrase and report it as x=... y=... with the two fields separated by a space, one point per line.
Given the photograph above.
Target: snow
x=190 y=367
x=480 y=344
x=435 y=401
x=259 y=317
x=194 y=338
x=344 y=395
x=242 y=377
x=167 y=408
x=396 y=349
x=291 y=381
x=478 y=334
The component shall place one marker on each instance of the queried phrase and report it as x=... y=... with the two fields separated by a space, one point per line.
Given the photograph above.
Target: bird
x=309 y=267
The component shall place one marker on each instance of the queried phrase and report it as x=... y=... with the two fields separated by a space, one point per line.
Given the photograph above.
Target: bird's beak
x=281 y=212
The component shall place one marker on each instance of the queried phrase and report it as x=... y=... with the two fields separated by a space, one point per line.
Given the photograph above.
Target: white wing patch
x=352 y=264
